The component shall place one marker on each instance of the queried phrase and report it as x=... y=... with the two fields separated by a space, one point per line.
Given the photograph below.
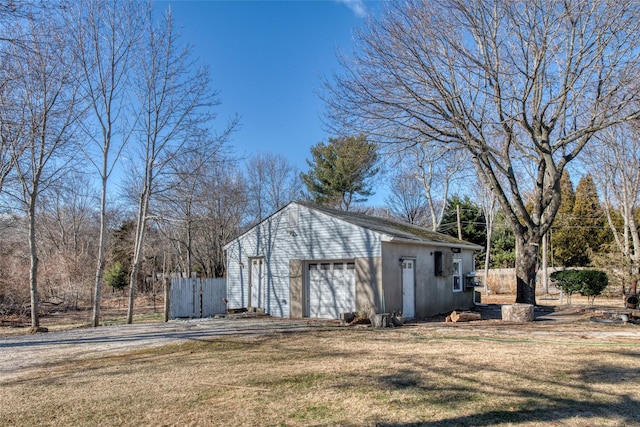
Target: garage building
x=310 y=261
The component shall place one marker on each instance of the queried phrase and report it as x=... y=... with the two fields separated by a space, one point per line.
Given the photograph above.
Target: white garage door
x=332 y=289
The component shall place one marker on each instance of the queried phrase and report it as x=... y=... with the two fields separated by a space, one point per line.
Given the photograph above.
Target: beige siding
x=433 y=294
x=296 y=284
x=369 y=284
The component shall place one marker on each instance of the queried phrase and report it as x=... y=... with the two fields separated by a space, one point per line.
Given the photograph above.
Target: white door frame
x=408 y=268
x=256 y=280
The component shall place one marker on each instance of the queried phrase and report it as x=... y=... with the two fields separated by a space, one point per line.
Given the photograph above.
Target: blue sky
x=266 y=58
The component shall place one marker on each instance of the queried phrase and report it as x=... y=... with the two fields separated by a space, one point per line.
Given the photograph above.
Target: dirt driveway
x=19 y=353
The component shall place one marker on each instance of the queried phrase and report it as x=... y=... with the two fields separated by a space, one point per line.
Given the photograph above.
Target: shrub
x=593 y=283
x=589 y=283
x=567 y=281
x=115 y=276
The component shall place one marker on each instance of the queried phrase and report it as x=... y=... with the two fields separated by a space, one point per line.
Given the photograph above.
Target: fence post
x=167 y=297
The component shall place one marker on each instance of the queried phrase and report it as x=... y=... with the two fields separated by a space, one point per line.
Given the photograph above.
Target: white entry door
x=256 y=283
x=408 y=288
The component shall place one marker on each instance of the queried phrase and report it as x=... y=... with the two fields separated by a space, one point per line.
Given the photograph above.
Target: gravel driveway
x=22 y=352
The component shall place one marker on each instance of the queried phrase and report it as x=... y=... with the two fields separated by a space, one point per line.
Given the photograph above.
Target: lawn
x=415 y=375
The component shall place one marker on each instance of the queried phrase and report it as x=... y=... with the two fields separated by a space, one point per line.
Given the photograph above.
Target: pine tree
x=563 y=242
x=589 y=228
x=503 y=242
x=341 y=171
x=471 y=218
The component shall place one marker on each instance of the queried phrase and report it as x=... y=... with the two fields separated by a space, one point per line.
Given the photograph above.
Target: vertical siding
x=197 y=297
x=214 y=292
x=184 y=298
x=314 y=236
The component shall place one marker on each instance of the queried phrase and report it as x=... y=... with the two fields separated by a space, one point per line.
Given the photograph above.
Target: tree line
x=522 y=89
x=449 y=99
x=90 y=89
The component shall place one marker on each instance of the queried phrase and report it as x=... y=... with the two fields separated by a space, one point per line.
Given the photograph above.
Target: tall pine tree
x=472 y=221
x=590 y=231
x=579 y=230
x=563 y=242
x=341 y=172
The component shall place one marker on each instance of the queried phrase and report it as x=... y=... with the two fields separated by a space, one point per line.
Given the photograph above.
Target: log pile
x=465 y=316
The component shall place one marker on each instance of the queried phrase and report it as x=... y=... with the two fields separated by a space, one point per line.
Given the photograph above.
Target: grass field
x=461 y=375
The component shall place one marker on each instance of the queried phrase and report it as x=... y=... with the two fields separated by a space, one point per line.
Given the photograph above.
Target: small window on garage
x=325 y=266
x=457 y=275
x=338 y=266
x=313 y=266
x=351 y=266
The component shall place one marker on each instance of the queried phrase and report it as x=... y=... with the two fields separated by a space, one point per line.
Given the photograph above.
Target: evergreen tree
x=564 y=244
x=341 y=171
x=115 y=276
x=121 y=245
x=590 y=229
x=579 y=230
x=472 y=220
x=503 y=244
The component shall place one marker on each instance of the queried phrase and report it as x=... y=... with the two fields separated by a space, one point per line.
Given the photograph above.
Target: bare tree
x=210 y=211
x=11 y=127
x=614 y=161
x=105 y=34
x=489 y=205
x=522 y=86
x=11 y=146
x=13 y=11
x=437 y=167
x=406 y=199
x=46 y=101
x=174 y=100
x=224 y=205
x=67 y=231
x=179 y=209
x=272 y=183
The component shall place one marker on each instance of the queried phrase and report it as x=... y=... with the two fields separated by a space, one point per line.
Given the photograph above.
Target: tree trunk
x=97 y=296
x=464 y=316
x=33 y=271
x=526 y=268
x=545 y=264
x=635 y=238
x=487 y=258
x=138 y=248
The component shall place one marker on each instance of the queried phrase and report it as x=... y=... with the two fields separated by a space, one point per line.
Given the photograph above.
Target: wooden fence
x=197 y=297
x=503 y=281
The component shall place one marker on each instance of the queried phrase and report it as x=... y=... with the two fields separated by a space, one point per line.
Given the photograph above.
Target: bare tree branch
x=522 y=86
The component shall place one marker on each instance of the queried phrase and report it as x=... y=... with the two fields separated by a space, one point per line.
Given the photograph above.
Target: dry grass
x=415 y=375
x=113 y=312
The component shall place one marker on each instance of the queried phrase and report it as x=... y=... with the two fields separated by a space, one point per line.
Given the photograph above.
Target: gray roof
x=393 y=228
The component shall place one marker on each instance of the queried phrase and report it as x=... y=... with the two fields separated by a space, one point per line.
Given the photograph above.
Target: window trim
x=457 y=273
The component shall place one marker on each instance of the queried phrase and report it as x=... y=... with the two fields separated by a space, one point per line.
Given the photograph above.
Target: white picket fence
x=197 y=297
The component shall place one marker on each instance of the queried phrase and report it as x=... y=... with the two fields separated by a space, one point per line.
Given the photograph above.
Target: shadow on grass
x=577 y=397
x=578 y=412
